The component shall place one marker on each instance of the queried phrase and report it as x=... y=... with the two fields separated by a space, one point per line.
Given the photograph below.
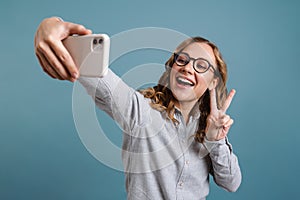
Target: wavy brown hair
x=163 y=99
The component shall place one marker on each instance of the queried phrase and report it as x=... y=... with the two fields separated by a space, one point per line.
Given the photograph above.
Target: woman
x=174 y=133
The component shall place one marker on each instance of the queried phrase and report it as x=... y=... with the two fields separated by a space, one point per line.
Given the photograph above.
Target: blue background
x=41 y=155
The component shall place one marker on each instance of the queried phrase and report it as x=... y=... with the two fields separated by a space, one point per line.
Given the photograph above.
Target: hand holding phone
x=90 y=53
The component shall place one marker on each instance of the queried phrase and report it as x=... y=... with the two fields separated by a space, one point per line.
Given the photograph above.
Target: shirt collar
x=195 y=112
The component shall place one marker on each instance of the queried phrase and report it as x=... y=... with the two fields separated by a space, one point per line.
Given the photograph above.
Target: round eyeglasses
x=200 y=65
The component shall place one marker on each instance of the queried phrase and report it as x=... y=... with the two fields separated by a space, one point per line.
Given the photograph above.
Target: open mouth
x=184 y=81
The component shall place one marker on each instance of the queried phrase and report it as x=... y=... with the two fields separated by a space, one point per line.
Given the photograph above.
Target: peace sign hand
x=218 y=122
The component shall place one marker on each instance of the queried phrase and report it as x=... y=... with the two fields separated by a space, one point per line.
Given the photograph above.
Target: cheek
x=204 y=80
x=173 y=71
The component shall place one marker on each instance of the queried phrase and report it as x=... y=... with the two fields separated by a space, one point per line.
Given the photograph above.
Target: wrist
x=220 y=141
x=208 y=138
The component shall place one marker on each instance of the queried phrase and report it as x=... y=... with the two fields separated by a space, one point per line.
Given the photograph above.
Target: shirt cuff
x=210 y=145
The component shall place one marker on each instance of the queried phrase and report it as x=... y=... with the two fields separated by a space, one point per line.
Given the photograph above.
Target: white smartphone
x=90 y=53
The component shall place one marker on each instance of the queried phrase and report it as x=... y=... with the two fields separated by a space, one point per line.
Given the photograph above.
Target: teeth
x=185 y=81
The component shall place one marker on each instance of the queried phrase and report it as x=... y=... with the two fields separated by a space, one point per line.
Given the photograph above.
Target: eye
x=201 y=65
x=181 y=59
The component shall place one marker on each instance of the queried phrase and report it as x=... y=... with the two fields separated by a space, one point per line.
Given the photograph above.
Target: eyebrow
x=210 y=61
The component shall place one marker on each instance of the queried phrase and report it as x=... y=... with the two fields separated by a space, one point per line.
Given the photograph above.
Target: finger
x=222 y=134
x=50 y=72
x=225 y=131
x=213 y=100
x=228 y=100
x=77 y=29
x=62 y=52
x=65 y=59
x=53 y=61
x=224 y=119
x=47 y=68
x=43 y=65
x=228 y=123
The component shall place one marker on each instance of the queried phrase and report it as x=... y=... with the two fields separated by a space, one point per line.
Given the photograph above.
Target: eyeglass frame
x=194 y=60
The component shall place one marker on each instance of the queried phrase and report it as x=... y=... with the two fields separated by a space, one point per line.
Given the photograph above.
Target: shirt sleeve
x=124 y=104
x=225 y=167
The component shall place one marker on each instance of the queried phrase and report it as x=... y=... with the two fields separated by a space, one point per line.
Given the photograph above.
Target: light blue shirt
x=161 y=159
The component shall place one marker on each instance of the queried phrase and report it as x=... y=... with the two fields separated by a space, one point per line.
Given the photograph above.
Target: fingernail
x=75 y=75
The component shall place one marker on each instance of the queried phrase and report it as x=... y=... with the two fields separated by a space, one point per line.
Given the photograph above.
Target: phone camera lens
x=95 y=41
x=100 y=41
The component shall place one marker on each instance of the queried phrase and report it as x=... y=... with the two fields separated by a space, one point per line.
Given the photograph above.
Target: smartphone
x=90 y=53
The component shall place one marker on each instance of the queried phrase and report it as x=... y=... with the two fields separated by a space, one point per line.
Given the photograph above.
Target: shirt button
x=187 y=162
x=180 y=184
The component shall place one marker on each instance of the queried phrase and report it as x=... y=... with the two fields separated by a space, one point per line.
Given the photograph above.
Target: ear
x=213 y=84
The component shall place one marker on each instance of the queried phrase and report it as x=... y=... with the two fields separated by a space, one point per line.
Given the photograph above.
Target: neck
x=185 y=108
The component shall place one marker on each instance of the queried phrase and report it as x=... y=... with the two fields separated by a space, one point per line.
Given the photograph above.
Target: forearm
x=101 y=90
x=225 y=166
x=126 y=106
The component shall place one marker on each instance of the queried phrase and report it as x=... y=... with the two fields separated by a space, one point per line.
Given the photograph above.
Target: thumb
x=77 y=29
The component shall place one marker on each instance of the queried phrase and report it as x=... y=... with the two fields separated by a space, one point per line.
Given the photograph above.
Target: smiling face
x=186 y=84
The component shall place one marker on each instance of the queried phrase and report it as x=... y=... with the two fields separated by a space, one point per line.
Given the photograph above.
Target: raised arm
x=110 y=93
x=53 y=57
x=225 y=167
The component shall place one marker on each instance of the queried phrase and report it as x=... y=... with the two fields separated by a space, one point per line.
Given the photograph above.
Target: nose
x=188 y=68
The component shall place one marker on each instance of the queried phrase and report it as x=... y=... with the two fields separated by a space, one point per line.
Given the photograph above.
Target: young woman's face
x=186 y=84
